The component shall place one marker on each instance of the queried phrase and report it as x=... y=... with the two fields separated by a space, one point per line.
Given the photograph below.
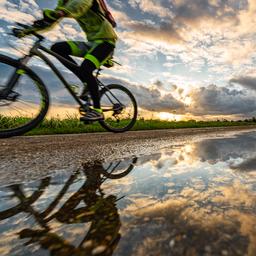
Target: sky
x=182 y=59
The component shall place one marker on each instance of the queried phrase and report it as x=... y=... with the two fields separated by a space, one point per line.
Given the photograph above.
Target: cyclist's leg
x=86 y=71
x=94 y=58
x=74 y=48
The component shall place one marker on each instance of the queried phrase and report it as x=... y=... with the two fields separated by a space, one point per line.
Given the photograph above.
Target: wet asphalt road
x=176 y=192
x=28 y=158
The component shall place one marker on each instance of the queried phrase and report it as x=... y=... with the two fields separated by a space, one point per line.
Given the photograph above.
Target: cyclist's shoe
x=93 y=115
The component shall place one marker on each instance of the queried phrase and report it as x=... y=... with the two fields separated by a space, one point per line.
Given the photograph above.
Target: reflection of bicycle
x=87 y=204
x=24 y=99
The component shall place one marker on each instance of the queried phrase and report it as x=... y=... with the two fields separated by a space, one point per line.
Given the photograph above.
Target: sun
x=169 y=116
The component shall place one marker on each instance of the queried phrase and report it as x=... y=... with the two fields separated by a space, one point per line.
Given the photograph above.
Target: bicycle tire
x=44 y=100
x=122 y=174
x=21 y=206
x=130 y=124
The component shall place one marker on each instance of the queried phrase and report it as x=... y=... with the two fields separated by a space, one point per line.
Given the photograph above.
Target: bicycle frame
x=35 y=51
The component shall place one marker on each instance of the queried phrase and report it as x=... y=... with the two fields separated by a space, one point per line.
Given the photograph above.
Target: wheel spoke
x=21 y=110
x=119 y=107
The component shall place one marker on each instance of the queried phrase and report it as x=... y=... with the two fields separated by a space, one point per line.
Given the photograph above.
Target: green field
x=73 y=125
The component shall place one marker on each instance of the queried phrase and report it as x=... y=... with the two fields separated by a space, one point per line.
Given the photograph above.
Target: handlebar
x=30 y=30
x=22 y=25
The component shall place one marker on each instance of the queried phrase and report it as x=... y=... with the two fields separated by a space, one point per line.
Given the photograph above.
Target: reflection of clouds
x=149 y=158
x=217 y=150
x=186 y=227
x=247 y=228
x=138 y=202
x=203 y=203
x=236 y=194
x=248 y=165
x=217 y=217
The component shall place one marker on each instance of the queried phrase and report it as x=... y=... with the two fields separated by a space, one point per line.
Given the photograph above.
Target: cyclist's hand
x=49 y=18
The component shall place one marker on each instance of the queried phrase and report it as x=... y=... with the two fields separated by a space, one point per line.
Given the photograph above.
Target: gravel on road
x=33 y=157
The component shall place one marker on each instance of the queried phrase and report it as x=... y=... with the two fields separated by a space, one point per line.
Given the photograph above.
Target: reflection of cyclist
x=88 y=204
x=97 y=23
x=99 y=210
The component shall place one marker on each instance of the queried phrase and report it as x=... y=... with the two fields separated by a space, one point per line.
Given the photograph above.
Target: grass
x=73 y=125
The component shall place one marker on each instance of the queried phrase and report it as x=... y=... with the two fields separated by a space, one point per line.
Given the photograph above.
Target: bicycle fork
x=7 y=92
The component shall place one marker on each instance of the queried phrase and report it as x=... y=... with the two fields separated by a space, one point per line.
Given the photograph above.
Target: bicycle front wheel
x=22 y=108
x=118 y=169
x=119 y=107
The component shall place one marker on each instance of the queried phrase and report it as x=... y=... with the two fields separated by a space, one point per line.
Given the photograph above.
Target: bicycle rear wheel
x=119 y=107
x=26 y=105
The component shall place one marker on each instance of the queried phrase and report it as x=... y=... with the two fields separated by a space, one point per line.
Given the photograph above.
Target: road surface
x=31 y=157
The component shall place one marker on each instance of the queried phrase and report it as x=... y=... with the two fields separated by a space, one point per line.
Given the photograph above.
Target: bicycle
x=22 y=107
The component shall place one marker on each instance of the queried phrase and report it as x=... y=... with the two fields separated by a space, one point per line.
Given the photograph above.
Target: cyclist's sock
x=99 y=110
x=94 y=91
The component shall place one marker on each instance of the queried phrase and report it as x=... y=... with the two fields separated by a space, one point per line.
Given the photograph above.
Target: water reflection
x=193 y=199
x=196 y=199
x=233 y=150
x=86 y=203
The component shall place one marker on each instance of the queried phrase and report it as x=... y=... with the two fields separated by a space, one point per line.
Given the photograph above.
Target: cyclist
x=101 y=37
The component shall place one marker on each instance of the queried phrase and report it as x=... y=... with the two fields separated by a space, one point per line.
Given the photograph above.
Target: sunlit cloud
x=204 y=48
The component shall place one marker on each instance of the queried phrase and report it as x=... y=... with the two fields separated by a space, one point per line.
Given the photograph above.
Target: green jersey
x=96 y=26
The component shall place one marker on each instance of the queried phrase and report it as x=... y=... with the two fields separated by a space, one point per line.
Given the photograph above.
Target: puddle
x=193 y=199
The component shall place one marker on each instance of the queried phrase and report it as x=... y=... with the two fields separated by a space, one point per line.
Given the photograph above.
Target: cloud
x=164 y=31
x=150 y=98
x=25 y=11
x=209 y=100
x=151 y=6
x=117 y=3
x=214 y=100
x=175 y=20
x=57 y=91
x=182 y=42
x=246 y=82
x=192 y=11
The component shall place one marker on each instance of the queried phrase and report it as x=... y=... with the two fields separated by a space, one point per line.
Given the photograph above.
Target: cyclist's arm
x=76 y=8
x=51 y=17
